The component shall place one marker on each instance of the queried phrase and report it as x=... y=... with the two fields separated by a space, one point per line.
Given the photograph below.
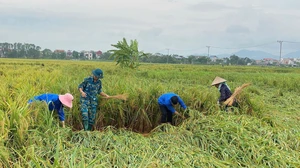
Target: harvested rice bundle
x=237 y=91
x=120 y=96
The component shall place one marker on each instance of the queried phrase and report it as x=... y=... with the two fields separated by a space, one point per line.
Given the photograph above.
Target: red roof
x=59 y=51
x=99 y=52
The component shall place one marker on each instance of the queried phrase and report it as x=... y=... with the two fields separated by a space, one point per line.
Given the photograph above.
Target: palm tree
x=127 y=55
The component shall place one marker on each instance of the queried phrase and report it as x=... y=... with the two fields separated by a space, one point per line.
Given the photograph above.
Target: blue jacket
x=165 y=100
x=91 y=88
x=225 y=92
x=53 y=103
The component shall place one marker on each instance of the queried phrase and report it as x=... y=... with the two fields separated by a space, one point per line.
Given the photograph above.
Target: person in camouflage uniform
x=89 y=89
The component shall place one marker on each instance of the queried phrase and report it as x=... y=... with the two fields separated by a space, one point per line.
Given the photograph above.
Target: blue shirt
x=165 y=99
x=53 y=103
x=90 y=87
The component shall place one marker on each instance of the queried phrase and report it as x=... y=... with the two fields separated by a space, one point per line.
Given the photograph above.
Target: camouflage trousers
x=88 y=110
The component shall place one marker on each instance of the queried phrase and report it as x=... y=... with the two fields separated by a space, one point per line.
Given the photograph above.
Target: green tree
x=94 y=55
x=33 y=53
x=127 y=55
x=38 y=48
x=191 y=59
x=81 y=56
x=12 y=54
x=106 y=56
x=47 y=53
x=234 y=60
x=75 y=54
x=219 y=61
x=203 y=60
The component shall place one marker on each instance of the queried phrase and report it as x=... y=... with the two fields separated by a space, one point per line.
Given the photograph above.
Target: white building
x=88 y=55
x=213 y=58
x=287 y=61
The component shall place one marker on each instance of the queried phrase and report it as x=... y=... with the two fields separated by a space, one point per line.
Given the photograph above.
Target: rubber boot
x=90 y=127
x=85 y=125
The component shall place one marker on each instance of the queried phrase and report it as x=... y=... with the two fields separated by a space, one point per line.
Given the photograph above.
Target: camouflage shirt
x=90 y=87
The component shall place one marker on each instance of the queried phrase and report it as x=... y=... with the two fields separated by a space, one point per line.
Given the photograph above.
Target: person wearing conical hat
x=56 y=103
x=224 y=90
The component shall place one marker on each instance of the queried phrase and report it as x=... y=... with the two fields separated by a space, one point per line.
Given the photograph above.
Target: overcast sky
x=183 y=26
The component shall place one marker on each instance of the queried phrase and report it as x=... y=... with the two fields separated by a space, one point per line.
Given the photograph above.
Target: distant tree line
x=32 y=51
x=26 y=50
x=19 y=50
x=192 y=59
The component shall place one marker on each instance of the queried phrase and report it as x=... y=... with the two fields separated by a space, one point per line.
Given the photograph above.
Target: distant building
x=268 y=61
x=98 y=54
x=177 y=56
x=158 y=54
x=59 y=51
x=287 y=61
x=199 y=56
x=213 y=58
x=69 y=54
x=296 y=60
x=258 y=62
x=88 y=55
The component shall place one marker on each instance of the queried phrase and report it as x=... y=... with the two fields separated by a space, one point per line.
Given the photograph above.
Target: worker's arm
x=83 y=94
x=181 y=103
x=104 y=94
x=176 y=112
x=61 y=116
x=81 y=86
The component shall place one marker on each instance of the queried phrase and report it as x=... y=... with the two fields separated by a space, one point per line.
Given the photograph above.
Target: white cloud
x=185 y=27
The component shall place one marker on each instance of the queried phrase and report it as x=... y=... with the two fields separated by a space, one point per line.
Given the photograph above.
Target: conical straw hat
x=217 y=80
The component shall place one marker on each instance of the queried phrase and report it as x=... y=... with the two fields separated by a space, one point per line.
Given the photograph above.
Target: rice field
x=263 y=132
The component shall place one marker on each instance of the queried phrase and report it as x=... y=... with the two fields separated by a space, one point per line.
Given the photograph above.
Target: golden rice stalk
x=120 y=96
x=237 y=91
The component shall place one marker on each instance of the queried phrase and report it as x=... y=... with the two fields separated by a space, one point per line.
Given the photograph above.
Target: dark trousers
x=166 y=115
